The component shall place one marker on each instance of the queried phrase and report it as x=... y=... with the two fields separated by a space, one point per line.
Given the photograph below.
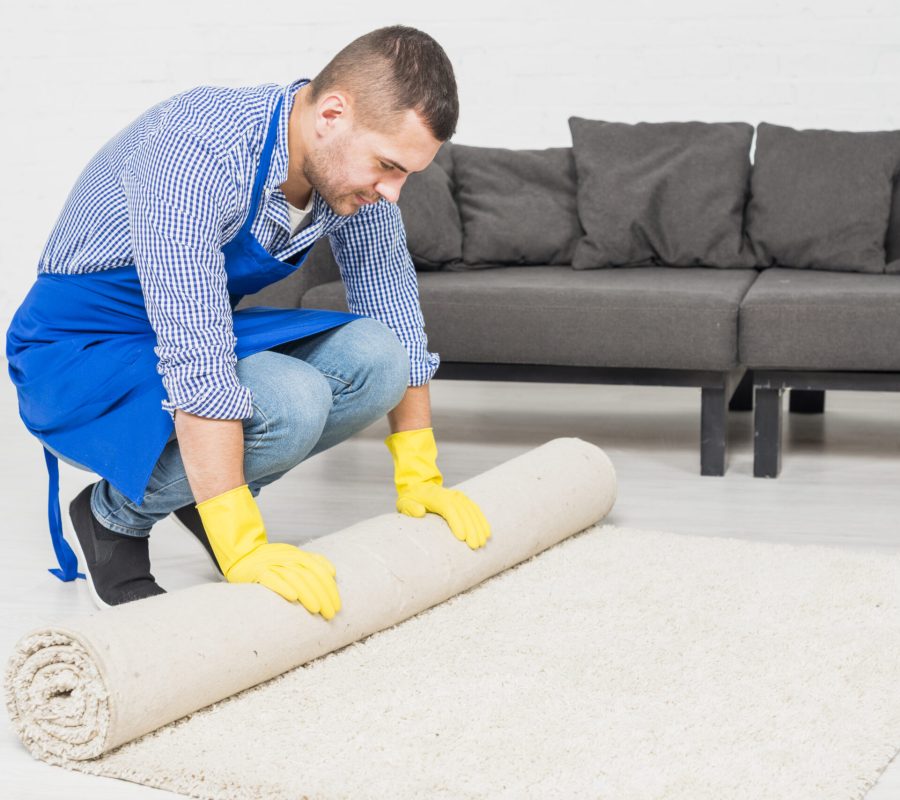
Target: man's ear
x=333 y=110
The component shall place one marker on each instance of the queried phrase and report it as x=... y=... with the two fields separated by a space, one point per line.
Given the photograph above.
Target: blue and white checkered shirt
x=171 y=188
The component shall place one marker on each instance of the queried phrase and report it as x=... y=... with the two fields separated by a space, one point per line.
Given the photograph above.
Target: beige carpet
x=618 y=664
x=610 y=663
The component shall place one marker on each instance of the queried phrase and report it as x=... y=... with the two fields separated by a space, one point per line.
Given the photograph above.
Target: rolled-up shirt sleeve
x=380 y=280
x=179 y=193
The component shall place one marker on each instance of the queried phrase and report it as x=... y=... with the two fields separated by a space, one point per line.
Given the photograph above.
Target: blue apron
x=80 y=351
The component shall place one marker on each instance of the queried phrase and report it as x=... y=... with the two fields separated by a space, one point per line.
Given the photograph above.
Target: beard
x=324 y=171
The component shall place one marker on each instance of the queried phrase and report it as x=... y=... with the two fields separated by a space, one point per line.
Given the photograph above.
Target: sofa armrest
x=318 y=268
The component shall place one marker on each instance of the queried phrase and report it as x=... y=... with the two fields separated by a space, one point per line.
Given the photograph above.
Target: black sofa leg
x=807 y=401
x=767 y=433
x=712 y=431
x=742 y=399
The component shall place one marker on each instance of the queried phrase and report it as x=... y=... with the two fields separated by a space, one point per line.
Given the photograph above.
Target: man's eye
x=386 y=166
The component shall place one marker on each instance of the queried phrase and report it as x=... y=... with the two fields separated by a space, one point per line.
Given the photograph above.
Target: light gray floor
x=839 y=486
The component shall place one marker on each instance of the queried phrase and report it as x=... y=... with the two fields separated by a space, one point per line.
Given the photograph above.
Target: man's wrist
x=413 y=412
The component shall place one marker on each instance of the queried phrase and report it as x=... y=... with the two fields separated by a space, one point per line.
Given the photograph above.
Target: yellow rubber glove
x=234 y=525
x=420 y=487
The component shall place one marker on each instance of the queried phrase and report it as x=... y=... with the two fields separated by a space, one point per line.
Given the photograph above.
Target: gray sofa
x=658 y=254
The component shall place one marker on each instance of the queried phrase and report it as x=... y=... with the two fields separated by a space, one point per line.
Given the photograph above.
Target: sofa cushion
x=892 y=243
x=516 y=206
x=822 y=198
x=815 y=319
x=430 y=215
x=662 y=193
x=658 y=317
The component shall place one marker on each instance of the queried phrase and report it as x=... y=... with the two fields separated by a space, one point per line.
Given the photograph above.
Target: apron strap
x=262 y=171
x=67 y=559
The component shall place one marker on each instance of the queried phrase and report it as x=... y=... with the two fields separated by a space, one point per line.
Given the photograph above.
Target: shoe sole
x=72 y=538
x=212 y=562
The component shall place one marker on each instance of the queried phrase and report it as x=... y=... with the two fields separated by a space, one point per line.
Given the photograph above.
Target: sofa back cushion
x=892 y=242
x=669 y=193
x=821 y=198
x=517 y=206
x=430 y=215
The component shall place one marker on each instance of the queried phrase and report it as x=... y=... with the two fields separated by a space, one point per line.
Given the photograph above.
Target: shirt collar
x=279 y=170
x=275 y=203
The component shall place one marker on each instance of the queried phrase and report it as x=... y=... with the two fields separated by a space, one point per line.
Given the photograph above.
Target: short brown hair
x=391 y=70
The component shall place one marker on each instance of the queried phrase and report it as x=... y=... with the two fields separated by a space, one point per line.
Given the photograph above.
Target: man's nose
x=389 y=188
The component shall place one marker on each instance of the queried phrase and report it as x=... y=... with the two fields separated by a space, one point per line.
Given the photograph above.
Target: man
x=130 y=360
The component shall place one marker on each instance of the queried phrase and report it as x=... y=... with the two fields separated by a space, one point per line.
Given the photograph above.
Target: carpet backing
x=80 y=687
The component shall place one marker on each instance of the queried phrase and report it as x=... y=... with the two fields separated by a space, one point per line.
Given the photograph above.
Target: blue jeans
x=308 y=395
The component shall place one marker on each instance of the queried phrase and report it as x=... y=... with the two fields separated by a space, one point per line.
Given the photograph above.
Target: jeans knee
x=291 y=404
x=387 y=361
x=396 y=377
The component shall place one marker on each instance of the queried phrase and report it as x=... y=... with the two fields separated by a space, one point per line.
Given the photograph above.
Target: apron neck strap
x=265 y=159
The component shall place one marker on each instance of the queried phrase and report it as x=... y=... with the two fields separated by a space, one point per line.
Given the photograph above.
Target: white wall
x=73 y=72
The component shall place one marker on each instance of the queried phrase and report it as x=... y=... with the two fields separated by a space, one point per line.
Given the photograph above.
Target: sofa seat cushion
x=655 y=317
x=821 y=320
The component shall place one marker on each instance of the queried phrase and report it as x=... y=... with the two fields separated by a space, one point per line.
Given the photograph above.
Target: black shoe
x=189 y=518
x=117 y=567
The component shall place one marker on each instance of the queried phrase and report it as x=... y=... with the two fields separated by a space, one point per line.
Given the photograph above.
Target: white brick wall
x=73 y=72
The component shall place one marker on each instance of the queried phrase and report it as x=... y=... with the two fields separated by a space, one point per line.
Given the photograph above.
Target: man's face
x=353 y=166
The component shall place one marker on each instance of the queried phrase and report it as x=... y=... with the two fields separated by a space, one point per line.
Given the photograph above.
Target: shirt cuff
x=421 y=372
x=215 y=402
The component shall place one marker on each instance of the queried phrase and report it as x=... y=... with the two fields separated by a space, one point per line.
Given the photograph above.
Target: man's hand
x=420 y=487
x=235 y=529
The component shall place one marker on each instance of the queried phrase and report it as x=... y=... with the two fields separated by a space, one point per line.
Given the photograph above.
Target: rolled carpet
x=83 y=686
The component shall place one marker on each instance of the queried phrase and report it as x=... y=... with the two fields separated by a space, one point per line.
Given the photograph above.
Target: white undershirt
x=298 y=215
